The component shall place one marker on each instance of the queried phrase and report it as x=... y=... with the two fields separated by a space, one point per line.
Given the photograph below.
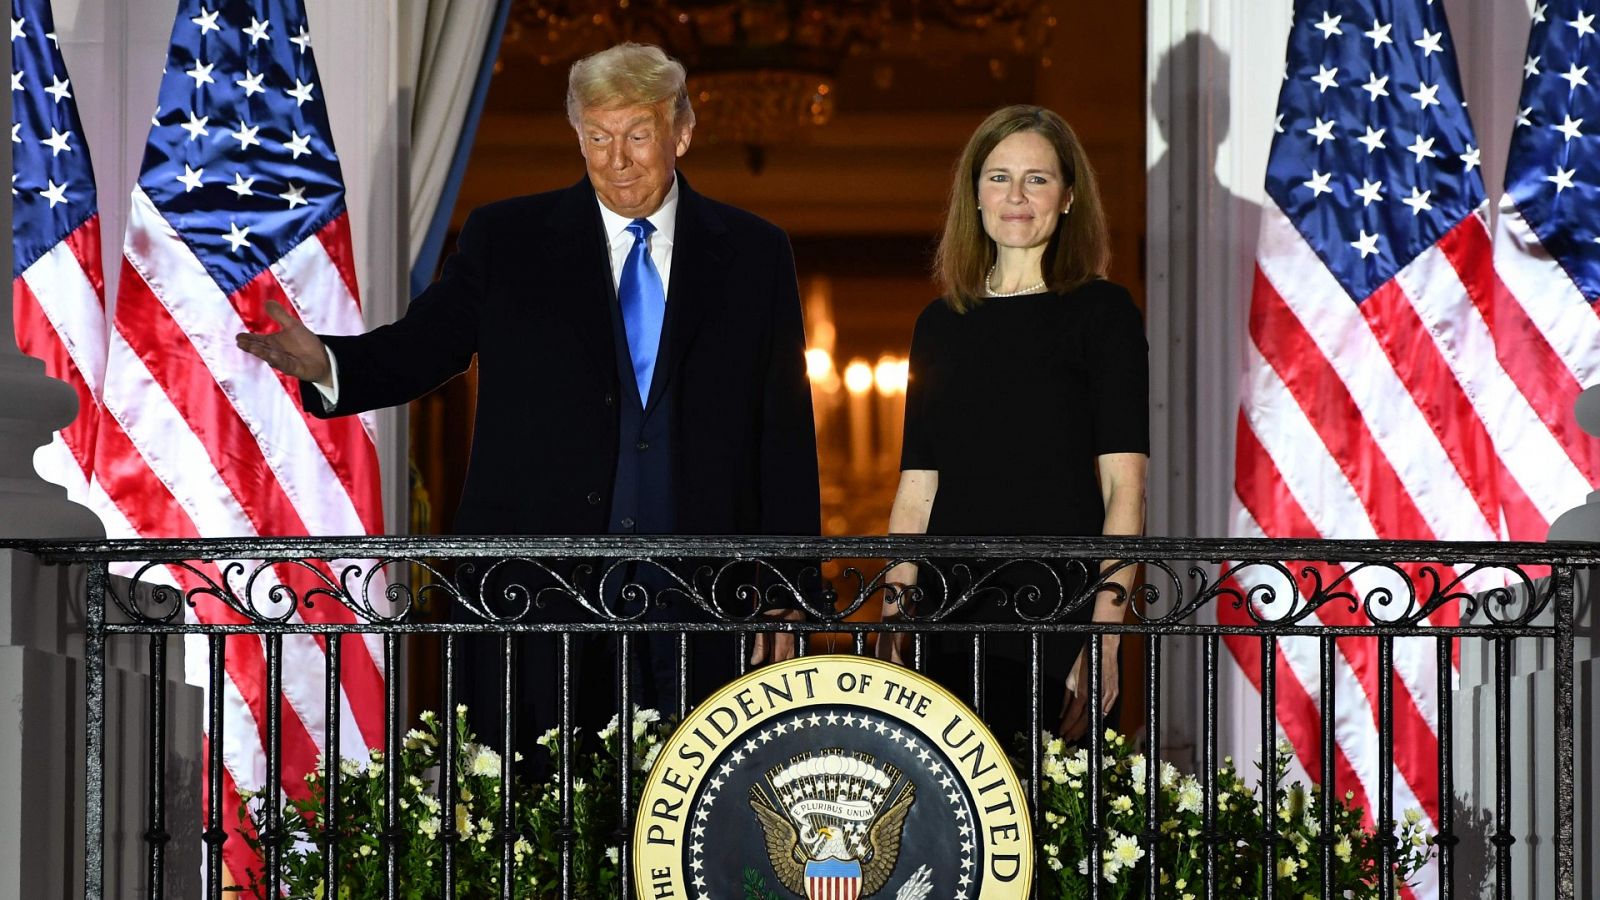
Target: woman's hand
x=895 y=646
x=778 y=646
x=1075 y=716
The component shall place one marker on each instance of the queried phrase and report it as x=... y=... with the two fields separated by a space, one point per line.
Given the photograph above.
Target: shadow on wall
x=1210 y=241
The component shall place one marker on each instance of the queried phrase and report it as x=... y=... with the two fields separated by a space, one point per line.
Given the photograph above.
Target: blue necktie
x=644 y=304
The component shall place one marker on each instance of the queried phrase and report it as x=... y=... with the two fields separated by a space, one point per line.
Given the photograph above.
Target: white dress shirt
x=618 y=238
x=665 y=219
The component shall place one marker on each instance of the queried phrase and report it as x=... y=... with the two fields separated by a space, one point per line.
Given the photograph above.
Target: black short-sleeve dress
x=1011 y=402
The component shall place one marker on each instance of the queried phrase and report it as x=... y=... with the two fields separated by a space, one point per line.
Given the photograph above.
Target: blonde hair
x=1078 y=252
x=628 y=74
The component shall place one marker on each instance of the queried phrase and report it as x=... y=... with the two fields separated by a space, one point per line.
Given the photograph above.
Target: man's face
x=630 y=152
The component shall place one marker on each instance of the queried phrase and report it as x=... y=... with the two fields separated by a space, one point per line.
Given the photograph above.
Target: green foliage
x=755 y=887
x=1063 y=837
x=423 y=826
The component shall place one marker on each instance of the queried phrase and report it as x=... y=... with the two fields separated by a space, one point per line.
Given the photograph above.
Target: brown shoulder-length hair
x=1078 y=252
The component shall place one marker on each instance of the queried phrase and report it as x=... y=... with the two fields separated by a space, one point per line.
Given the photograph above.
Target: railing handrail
x=1553 y=553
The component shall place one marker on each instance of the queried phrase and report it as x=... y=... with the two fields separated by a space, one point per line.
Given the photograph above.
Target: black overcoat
x=527 y=292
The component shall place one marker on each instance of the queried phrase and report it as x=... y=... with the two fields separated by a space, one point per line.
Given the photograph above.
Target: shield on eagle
x=833 y=879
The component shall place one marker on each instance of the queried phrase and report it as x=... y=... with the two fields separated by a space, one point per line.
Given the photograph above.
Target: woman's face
x=1020 y=191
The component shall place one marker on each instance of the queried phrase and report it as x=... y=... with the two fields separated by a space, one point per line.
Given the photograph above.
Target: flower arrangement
x=1062 y=838
x=537 y=818
x=1296 y=818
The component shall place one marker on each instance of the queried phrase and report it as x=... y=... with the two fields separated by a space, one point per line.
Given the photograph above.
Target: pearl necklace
x=988 y=285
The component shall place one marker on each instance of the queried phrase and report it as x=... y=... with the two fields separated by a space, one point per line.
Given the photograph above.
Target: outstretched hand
x=293 y=349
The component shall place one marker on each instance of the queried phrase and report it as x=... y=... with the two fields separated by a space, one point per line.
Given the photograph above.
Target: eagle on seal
x=791 y=849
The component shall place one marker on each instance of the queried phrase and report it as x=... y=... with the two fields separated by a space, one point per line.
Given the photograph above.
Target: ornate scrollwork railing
x=1276 y=585
x=502 y=586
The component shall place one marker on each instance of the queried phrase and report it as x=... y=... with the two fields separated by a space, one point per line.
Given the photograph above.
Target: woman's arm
x=1122 y=490
x=913 y=501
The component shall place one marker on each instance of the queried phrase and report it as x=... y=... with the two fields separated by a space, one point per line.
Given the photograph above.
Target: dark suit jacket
x=528 y=291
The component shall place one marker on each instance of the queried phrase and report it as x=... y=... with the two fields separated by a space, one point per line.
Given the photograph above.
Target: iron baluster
x=156 y=832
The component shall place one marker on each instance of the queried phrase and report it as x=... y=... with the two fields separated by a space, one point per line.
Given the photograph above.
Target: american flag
x=1371 y=373
x=57 y=284
x=240 y=201
x=1547 y=257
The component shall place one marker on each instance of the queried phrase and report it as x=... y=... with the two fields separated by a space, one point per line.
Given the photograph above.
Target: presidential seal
x=832 y=778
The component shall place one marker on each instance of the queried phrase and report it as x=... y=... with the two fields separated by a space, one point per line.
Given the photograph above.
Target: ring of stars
x=913 y=742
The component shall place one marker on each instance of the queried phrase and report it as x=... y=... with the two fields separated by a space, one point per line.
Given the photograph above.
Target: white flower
x=1125 y=851
x=463 y=821
x=578 y=785
x=486 y=762
x=1287 y=867
x=1413 y=816
x=1054 y=770
x=428 y=717
x=649 y=759
x=1122 y=803
x=429 y=827
x=611 y=854
x=1169 y=774
x=548 y=739
x=1136 y=771
x=1054 y=864
x=1190 y=796
x=1342 y=849
x=1083 y=866
x=642 y=720
x=417 y=739
x=610 y=731
x=1078 y=763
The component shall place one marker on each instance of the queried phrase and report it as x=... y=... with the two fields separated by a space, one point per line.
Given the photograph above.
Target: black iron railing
x=1269 y=590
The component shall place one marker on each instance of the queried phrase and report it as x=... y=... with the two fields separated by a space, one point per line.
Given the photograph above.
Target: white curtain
x=443 y=43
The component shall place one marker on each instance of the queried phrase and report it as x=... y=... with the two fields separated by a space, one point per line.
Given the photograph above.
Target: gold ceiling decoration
x=763 y=72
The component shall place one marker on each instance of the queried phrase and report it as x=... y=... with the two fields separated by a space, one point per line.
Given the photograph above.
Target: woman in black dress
x=1027 y=411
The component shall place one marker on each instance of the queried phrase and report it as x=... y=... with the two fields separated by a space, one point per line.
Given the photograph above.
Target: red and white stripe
x=832 y=887
x=1547 y=337
x=203 y=440
x=1377 y=420
x=58 y=310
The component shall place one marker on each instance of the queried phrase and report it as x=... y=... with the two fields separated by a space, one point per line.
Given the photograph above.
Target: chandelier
x=762 y=73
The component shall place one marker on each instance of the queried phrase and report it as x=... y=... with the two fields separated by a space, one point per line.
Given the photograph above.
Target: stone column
x=1582 y=523
x=1532 y=680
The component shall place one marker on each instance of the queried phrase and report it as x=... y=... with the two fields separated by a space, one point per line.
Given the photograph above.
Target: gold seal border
x=659 y=831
